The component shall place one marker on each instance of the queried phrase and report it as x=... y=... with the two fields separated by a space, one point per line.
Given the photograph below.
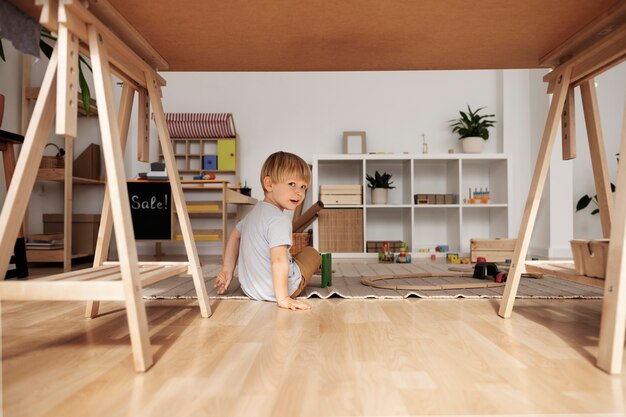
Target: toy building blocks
x=386 y=256
x=453 y=258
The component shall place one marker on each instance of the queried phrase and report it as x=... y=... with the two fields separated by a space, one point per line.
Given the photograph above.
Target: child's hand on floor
x=291 y=304
x=223 y=281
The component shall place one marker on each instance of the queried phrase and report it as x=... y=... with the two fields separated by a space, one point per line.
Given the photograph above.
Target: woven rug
x=347 y=277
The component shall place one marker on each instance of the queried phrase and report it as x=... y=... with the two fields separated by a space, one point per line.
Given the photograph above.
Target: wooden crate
x=493 y=250
x=84 y=230
x=341 y=194
x=590 y=257
x=341 y=230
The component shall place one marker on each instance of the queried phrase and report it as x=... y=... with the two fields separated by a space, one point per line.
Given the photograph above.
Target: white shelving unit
x=423 y=226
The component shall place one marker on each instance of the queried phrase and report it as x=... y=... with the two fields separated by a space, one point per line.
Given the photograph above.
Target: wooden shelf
x=51 y=255
x=198 y=171
x=101 y=283
x=562 y=269
x=58 y=174
x=233 y=197
x=203 y=235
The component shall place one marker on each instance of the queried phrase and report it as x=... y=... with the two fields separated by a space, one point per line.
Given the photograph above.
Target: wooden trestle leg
x=154 y=93
x=534 y=194
x=597 y=154
x=25 y=173
x=103 y=241
x=120 y=207
x=613 y=324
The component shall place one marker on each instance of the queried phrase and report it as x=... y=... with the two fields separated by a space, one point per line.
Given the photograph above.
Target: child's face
x=285 y=195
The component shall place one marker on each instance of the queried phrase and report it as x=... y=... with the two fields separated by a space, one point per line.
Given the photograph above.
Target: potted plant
x=473 y=129
x=380 y=185
x=47 y=50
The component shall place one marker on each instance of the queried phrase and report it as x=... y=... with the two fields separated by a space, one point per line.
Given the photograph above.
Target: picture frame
x=354 y=142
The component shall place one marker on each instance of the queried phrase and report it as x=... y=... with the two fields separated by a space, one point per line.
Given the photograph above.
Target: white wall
x=611 y=91
x=306 y=113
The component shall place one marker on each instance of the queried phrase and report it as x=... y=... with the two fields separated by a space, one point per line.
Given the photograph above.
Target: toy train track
x=481 y=271
x=373 y=281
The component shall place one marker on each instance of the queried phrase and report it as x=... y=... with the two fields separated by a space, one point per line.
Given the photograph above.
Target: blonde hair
x=282 y=166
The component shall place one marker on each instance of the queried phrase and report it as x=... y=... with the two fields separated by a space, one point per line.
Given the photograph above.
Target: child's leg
x=309 y=261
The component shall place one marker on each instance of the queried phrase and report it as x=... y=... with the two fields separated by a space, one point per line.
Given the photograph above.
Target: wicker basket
x=56 y=161
x=299 y=241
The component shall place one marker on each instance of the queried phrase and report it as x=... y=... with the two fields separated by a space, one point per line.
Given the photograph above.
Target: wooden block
x=590 y=257
x=420 y=199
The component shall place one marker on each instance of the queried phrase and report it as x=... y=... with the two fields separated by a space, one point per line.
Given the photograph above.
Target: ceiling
x=356 y=35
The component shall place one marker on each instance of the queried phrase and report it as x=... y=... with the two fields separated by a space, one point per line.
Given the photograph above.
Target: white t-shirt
x=265 y=227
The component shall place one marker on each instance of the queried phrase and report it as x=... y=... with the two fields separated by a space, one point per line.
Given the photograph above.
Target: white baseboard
x=550 y=253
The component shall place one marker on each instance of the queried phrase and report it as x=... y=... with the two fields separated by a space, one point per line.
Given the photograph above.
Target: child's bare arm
x=231 y=253
x=280 y=273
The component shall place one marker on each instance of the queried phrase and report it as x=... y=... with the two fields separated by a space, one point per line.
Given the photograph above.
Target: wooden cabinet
x=451 y=220
x=194 y=155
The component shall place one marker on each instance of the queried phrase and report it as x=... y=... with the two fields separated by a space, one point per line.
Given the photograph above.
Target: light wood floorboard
x=343 y=358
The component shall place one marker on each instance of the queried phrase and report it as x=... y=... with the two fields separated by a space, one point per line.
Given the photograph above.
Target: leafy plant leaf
x=583 y=202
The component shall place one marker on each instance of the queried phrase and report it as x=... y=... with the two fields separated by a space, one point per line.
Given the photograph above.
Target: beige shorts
x=309 y=261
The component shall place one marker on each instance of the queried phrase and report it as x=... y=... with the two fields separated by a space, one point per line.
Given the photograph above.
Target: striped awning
x=200 y=125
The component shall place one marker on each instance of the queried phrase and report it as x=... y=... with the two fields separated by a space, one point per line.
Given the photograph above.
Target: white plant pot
x=379 y=195
x=472 y=144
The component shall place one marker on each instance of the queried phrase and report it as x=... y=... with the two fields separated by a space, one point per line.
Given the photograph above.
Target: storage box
x=376 y=246
x=341 y=230
x=590 y=257
x=84 y=230
x=209 y=162
x=341 y=194
x=87 y=164
x=493 y=250
x=434 y=198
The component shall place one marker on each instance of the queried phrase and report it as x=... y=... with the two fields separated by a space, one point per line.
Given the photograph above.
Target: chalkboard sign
x=151 y=210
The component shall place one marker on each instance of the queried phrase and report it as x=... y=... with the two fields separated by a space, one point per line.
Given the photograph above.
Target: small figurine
x=424 y=144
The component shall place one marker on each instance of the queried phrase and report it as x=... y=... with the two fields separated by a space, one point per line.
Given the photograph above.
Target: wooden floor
x=343 y=358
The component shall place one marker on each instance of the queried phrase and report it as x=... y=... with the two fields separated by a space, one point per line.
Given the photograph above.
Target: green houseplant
x=380 y=185
x=472 y=128
x=586 y=199
x=47 y=49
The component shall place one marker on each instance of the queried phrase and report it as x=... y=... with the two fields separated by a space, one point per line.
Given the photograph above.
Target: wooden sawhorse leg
x=27 y=165
x=154 y=93
x=613 y=324
x=120 y=206
x=534 y=194
x=103 y=241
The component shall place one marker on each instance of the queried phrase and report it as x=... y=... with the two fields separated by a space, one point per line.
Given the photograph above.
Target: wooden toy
x=327 y=269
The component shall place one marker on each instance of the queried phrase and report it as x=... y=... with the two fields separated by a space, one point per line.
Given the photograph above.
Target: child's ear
x=267 y=183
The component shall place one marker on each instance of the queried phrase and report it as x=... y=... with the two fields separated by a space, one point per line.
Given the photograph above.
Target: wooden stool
x=7 y=139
